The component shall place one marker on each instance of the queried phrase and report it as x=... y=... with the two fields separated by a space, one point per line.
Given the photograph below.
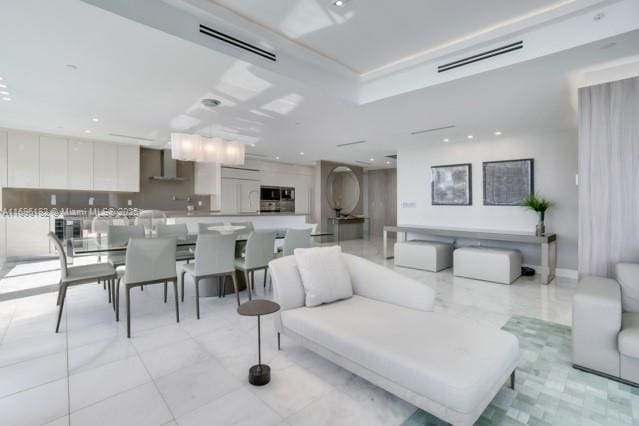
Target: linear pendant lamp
x=188 y=147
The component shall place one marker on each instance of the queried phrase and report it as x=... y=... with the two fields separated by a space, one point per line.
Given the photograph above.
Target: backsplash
x=153 y=194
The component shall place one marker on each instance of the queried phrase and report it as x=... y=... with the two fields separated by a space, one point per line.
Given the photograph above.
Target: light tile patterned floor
x=195 y=372
x=548 y=390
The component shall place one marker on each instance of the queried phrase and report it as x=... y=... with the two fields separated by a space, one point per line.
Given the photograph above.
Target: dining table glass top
x=98 y=244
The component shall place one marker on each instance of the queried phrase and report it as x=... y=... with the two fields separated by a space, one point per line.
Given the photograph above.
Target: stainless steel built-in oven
x=270 y=193
x=288 y=194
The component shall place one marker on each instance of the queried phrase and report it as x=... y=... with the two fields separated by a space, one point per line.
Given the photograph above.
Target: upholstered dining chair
x=258 y=253
x=203 y=228
x=178 y=231
x=296 y=238
x=150 y=219
x=148 y=261
x=76 y=275
x=120 y=235
x=214 y=258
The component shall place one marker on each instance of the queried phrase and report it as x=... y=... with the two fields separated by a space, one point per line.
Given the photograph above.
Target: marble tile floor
x=195 y=372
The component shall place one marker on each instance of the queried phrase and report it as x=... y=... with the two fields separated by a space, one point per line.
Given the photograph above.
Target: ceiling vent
x=363 y=162
x=349 y=144
x=481 y=56
x=137 y=138
x=433 y=129
x=237 y=43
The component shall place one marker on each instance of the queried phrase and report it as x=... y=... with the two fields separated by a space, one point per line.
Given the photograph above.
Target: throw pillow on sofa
x=324 y=273
x=628 y=278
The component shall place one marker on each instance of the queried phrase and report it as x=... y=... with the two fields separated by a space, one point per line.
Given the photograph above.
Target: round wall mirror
x=342 y=189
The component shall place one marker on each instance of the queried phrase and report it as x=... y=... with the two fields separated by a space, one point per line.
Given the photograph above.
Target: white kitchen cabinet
x=3 y=159
x=27 y=236
x=23 y=167
x=303 y=197
x=80 y=165
x=128 y=168
x=105 y=166
x=230 y=196
x=207 y=179
x=249 y=196
x=240 y=196
x=53 y=162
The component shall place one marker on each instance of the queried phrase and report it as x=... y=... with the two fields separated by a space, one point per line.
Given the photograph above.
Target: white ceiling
x=143 y=82
x=364 y=35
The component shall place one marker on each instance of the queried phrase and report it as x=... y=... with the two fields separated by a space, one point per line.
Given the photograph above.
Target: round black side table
x=259 y=374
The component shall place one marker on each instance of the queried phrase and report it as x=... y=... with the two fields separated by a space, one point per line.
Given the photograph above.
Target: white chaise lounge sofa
x=388 y=334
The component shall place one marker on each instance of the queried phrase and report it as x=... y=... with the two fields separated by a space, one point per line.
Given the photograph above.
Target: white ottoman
x=487 y=264
x=426 y=255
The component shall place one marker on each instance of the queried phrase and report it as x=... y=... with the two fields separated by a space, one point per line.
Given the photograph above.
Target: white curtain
x=609 y=176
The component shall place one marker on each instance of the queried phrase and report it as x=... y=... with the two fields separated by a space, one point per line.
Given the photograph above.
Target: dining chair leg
x=64 y=295
x=103 y=284
x=117 y=301
x=59 y=293
x=278 y=341
x=109 y=289
x=237 y=293
x=141 y=288
x=182 y=276
x=197 y=297
x=177 y=302
x=248 y=284
x=165 y=285
x=265 y=272
x=128 y=312
x=114 y=294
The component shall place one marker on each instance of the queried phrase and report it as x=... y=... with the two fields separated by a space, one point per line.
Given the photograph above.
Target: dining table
x=97 y=245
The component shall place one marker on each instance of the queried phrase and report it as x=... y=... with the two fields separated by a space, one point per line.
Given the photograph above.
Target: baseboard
x=559 y=272
x=606 y=375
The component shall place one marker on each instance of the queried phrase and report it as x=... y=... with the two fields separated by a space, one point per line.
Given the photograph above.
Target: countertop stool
x=260 y=374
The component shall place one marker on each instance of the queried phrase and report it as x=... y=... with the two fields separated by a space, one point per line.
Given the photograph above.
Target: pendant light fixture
x=191 y=147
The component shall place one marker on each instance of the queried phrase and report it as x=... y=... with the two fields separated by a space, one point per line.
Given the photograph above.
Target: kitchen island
x=259 y=220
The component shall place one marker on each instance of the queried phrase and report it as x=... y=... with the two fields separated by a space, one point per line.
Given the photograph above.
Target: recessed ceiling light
x=6 y=98
x=388 y=162
x=252 y=144
x=95 y=119
x=4 y=92
x=446 y=139
x=277 y=158
x=3 y=86
x=497 y=133
x=371 y=159
x=1 y=78
x=301 y=153
x=339 y=3
x=469 y=136
x=211 y=103
x=87 y=131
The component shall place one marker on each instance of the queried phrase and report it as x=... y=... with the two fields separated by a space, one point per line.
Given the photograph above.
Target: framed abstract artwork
x=506 y=183
x=451 y=185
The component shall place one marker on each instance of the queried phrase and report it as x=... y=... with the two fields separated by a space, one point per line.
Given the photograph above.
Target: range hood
x=168 y=168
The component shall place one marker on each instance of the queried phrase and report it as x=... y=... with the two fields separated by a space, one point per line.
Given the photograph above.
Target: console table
x=547 y=243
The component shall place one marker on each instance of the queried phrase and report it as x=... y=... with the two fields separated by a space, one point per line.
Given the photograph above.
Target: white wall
x=555 y=155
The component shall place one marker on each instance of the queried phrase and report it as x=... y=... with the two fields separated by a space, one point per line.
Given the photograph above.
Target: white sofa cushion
x=628 y=278
x=450 y=361
x=324 y=274
x=628 y=338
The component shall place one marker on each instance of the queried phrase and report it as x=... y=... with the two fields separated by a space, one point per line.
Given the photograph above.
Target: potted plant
x=538 y=205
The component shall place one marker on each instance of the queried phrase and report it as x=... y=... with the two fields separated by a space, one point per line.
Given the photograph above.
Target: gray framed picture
x=506 y=183
x=451 y=185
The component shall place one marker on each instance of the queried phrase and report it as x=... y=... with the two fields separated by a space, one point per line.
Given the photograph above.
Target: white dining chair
x=76 y=275
x=296 y=238
x=180 y=232
x=258 y=253
x=214 y=258
x=120 y=235
x=203 y=228
x=148 y=261
x=150 y=219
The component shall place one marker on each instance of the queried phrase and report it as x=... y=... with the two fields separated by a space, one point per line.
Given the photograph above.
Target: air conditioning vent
x=363 y=162
x=392 y=156
x=349 y=144
x=237 y=43
x=433 y=129
x=481 y=56
x=137 y=138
